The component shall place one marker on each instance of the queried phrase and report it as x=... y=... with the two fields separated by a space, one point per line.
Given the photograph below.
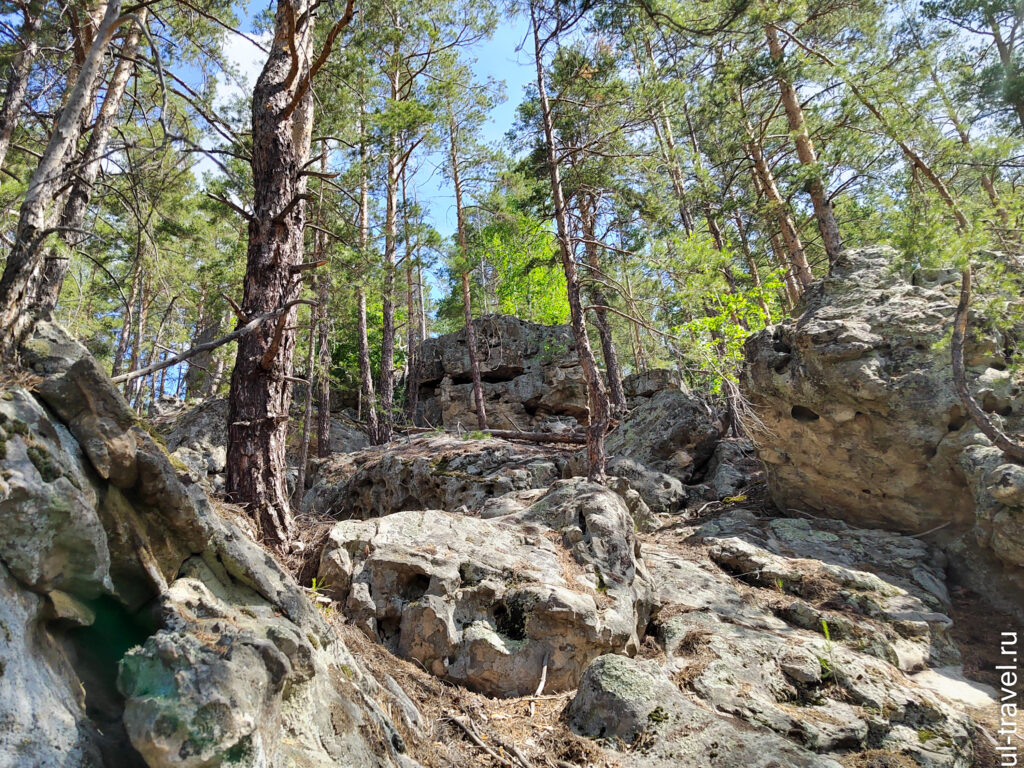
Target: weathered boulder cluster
x=688 y=638
x=138 y=626
x=530 y=374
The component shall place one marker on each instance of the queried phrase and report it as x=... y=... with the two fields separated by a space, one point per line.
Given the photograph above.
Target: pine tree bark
x=18 y=73
x=612 y=369
x=467 y=298
x=822 y=205
x=596 y=393
x=260 y=398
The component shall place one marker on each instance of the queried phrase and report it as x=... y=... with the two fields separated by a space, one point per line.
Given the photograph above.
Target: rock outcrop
x=530 y=373
x=429 y=472
x=497 y=604
x=806 y=638
x=140 y=627
x=861 y=420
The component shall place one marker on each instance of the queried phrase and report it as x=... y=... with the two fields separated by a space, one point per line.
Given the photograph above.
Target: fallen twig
x=480 y=743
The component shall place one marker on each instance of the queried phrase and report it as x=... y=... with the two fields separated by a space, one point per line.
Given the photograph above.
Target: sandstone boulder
x=860 y=417
x=492 y=604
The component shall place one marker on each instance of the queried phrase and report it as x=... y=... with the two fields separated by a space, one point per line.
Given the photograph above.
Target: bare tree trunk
x=613 y=371
x=797 y=257
x=412 y=389
x=366 y=396
x=132 y=390
x=55 y=266
x=307 y=411
x=124 y=335
x=387 y=343
x=23 y=270
x=823 y=212
x=261 y=391
x=18 y=73
x=323 y=369
x=597 y=395
x=467 y=299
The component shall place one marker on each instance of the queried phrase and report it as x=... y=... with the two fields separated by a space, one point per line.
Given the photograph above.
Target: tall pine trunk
x=261 y=393
x=613 y=371
x=23 y=270
x=323 y=369
x=366 y=396
x=467 y=296
x=72 y=218
x=387 y=343
x=787 y=228
x=596 y=392
x=823 y=213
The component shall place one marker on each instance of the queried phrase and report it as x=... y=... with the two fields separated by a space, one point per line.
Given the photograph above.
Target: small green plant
x=320 y=600
x=657 y=715
x=924 y=735
x=476 y=435
x=828 y=664
x=780 y=585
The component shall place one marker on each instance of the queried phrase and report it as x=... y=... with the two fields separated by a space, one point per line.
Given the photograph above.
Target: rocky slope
x=499 y=609
x=139 y=626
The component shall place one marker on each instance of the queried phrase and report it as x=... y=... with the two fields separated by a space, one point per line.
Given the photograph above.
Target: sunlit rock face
x=530 y=373
x=861 y=420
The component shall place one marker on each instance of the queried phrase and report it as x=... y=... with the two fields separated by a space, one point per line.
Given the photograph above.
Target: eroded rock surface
x=862 y=421
x=490 y=603
x=530 y=373
x=429 y=472
x=139 y=627
x=794 y=635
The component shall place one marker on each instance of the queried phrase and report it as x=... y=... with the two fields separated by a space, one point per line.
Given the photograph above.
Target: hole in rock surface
x=803 y=414
x=98 y=649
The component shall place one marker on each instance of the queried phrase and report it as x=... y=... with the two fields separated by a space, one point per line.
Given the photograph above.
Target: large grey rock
x=489 y=603
x=861 y=420
x=43 y=722
x=644 y=384
x=671 y=432
x=107 y=547
x=53 y=537
x=813 y=630
x=663 y=443
x=203 y=430
x=632 y=703
x=529 y=372
x=429 y=472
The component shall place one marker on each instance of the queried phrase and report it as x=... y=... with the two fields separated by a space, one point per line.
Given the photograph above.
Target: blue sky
x=495 y=58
